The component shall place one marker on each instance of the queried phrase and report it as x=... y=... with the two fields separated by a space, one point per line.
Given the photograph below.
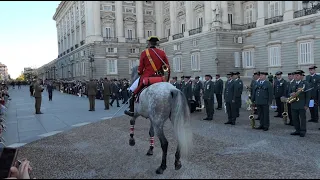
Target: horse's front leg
x=131 y=140
x=151 y=134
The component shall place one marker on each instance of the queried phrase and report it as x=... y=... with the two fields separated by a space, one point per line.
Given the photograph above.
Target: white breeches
x=134 y=85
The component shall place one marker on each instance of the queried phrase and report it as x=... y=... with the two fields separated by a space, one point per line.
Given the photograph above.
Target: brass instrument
x=165 y=68
x=285 y=112
x=251 y=108
x=294 y=98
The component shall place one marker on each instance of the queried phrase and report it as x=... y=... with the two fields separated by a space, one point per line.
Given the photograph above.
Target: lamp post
x=91 y=60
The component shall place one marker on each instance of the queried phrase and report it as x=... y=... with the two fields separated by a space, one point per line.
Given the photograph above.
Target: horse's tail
x=180 y=117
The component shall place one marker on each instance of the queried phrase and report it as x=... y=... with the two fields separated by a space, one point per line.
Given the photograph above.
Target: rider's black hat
x=208 y=75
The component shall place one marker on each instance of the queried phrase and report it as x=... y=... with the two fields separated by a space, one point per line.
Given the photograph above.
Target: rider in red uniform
x=146 y=68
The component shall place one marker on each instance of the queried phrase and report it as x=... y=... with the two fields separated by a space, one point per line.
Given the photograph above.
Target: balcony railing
x=67 y=50
x=305 y=12
x=64 y=53
x=177 y=36
x=244 y=26
x=76 y=46
x=132 y=40
x=82 y=42
x=195 y=31
x=71 y=49
x=162 y=40
x=110 y=39
x=272 y=20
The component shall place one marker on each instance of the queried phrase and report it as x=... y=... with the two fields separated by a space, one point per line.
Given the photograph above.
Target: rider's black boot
x=131 y=107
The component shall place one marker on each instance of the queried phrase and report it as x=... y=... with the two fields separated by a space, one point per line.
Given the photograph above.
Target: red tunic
x=145 y=68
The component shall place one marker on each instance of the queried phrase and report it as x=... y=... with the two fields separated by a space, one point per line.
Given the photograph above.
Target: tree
x=20 y=78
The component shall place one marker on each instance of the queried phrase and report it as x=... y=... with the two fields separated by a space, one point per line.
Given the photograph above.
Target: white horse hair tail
x=180 y=117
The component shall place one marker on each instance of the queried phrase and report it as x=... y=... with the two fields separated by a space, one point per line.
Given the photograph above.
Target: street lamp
x=91 y=60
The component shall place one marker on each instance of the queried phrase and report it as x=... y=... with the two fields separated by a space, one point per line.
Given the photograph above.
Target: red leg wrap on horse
x=131 y=129
x=151 y=141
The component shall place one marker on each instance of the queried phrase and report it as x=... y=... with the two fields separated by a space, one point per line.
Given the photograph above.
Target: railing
x=64 y=53
x=305 y=12
x=67 y=50
x=162 y=40
x=110 y=39
x=71 y=49
x=76 y=46
x=272 y=20
x=195 y=31
x=244 y=26
x=82 y=42
x=132 y=40
x=177 y=36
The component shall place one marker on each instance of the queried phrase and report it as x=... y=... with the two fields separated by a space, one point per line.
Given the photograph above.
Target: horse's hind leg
x=164 y=147
x=151 y=134
x=132 y=123
x=177 y=162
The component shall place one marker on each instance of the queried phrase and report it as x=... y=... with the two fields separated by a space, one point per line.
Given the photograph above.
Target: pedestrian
x=38 y=89
x=229 y=98
x=115 y=92
x=50 y=89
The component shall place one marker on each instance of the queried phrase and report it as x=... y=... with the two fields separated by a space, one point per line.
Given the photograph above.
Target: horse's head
x=134 y=73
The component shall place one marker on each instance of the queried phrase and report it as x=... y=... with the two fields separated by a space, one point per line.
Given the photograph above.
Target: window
x=183 y=28
x=106 y=8
x=195 y=61
x=248 y=14
x=274 y=8
x=83 y=68
x=177 y=47
x=112 y=66
x=149 y=33
x=305 y=52
x=111 y=50
x=177 y=64
x=274 y=56
x=200 y=22
x=236 y=59
x=149 y=12
x=148 y=2
x=128 y=10
x=247 y=58
x=133 y=63
x=230 y=18
x=129 y=33
x=108 y=32
x=134 y=50
x=194 y=43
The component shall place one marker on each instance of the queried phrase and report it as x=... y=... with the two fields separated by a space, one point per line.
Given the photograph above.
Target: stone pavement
x=63 y=113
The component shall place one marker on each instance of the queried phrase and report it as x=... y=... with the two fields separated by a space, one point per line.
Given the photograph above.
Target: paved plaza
x=101 y=149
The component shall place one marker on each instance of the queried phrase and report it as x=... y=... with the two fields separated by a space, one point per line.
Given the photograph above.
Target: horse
x=159 y=102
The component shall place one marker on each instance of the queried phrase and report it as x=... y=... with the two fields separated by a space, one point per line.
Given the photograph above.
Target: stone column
x=93 y=22
x=71 y=40
x=189 y=18
x=80 y=24
x=159 y=19
x=238 y=12
x=208 y=16
x=261 y=14
x=224 y=12
x=288 y=12
x=66 y=30
x=173 y=27
x=140 y=29
x=74 y=24
x=119 y=21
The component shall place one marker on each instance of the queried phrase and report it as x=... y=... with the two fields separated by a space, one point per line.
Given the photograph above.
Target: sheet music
x=311 y=103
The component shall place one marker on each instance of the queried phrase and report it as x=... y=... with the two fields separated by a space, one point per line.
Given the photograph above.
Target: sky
x=28 y=36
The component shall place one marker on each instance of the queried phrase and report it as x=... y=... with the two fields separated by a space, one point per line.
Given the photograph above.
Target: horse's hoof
x=160 y=170
x=177 y=165
x=150 y=152
x=132 y=142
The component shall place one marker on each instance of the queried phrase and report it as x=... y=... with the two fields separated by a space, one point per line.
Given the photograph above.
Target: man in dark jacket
x=208 y=95
x=50 y=89
x=115 y=92
x=197 y=90
x=106 y=89
x=218 y=89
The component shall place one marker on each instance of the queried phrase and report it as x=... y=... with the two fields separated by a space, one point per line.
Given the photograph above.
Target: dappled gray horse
x=159 y=102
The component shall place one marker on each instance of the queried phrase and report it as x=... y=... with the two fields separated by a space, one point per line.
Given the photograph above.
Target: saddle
x=147 y=81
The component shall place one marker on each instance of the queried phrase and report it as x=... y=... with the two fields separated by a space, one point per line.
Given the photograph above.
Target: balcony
x=306 y=12
x=71 y=49
x=67 y=51
x=162 y=40
x=110 y=39
x=177 y=36
x=273 y=20
x=76 y=46
x=132 y=40
x=82 y=42
x=240 y=27
x=64 y=53
x=195 y=31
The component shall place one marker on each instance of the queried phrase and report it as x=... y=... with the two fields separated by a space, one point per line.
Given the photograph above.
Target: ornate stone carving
x=130 y=18
x=107 y=19
x=199 y=8
x=149 y=19
x=181 y=13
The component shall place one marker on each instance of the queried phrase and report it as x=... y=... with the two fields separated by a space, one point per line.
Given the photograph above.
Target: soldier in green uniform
x=106 y=89
x=181 y=83
x=208 y=95
x=279 y=91
x=230 y=99
x=262 y=98
x=175 y=83
x=298 y=108
x=92 y=91
x=290 y=84
x=314 y=81
x=38 y=89
x=197 y=90
x=253 y=83
x=218 y=89
x=238 y=92
x=187 y=88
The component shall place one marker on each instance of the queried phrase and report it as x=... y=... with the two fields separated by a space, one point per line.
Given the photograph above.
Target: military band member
x=290 y=85
x=254 y=82
x=238 y=92
x=187 y=88
x=197 y=91
x=314 y=81
x=175 y=83
x=106 y=89
x=230 y=99
x=262 y=98
x=279 y=90
x=181 y=82
x=92 y=91
x=298 y=108
x=38 y=89
x=208 y=95
x=218 y=89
